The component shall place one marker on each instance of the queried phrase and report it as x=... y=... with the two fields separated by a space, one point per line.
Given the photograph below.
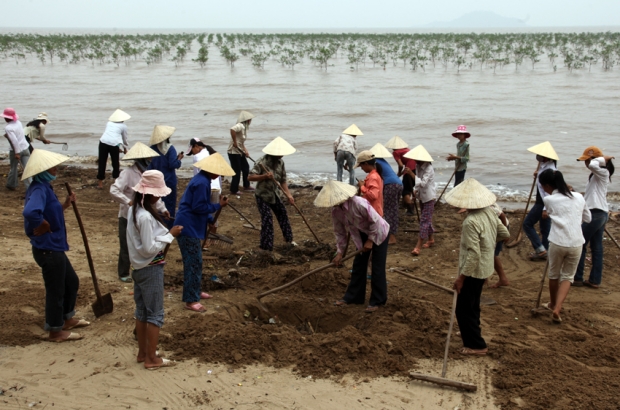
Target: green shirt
x=482 y=229
x=462 y=151
x=267 y=190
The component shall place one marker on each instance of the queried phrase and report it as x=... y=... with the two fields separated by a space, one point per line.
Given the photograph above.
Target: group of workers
x=365 y=211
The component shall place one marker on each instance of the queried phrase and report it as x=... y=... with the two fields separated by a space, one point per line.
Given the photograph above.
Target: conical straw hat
x=470 y=194
x=380 y=151
x=119 y=116
x=396 y=142
x=139 y=150
x=419 y=153
x=545 y=150
x=244 y=116
x=279 y=147
x=161 y=133
x=353 y=130
x=216 y=165
x=334 y=193
x=42 y=160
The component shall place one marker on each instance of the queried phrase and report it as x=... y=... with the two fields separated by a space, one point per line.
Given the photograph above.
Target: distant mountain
x=480 y=19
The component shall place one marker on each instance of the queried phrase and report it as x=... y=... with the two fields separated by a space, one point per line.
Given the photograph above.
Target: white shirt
x=596 y=188
x=144 y=244
x=115 y=134
x=425 y=182
x=216 y=184
x=122 y=190
x=15 y=131
x=347 y=143
x=241 y=136
x=566 y=215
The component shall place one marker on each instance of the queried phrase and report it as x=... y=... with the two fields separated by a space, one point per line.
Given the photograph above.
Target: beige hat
x=380 y=151
x=419 y=153
x=279 y=147
x=161 y=133
x=244 y=116
x=42 y=160
x=42 y=116
x=470 y=194
x=216 y=165
x=363 y=157
x=353 y=130
x=119 y=116
x=139 y=150
x=396 y=142
x=544 y=150
x=334 y=193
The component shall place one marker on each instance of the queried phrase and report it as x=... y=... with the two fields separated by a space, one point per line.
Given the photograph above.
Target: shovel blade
x=103 y=306
x=65 y=147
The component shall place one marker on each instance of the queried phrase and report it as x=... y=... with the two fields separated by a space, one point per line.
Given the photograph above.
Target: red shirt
x=372 y=190
x=398 y=156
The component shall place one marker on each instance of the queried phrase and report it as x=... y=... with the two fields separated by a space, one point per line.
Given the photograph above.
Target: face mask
x=44 y=177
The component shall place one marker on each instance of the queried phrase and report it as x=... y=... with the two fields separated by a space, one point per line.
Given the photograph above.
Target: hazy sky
x=335 y=14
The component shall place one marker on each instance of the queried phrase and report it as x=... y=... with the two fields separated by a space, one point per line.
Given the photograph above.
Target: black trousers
x=356 y=291
x=239 y=164
x=104 y=150
x=61 y=287
x=123 y=252
x=468 y=313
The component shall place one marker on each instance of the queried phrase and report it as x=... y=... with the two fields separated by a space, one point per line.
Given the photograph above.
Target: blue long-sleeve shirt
x=167 y=164
x=42 y=203
x=196 y=208
x=388 y=174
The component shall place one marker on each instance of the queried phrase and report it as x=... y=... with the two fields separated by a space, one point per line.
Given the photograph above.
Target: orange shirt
x=372 y=190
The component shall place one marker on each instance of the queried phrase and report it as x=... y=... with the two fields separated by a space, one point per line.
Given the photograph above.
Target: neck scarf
x=163 y=146
x=44 y=177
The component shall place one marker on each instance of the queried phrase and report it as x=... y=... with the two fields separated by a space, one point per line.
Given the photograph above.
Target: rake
x=65 y=146
x=249 y=225
x=215 y=239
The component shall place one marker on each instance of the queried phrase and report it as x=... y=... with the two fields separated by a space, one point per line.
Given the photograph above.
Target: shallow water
x=506 y=112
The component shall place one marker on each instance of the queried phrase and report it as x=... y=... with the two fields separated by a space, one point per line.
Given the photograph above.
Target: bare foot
x=63 y=335
x=499 y=283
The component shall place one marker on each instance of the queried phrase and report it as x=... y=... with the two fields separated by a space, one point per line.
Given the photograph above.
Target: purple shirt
x=356 y=215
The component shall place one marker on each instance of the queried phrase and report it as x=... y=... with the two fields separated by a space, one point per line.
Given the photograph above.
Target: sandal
x=164 y=363
x=546 y=306
x=537 y=257
x=72 y=336
x=340 y=302
x=126 y=279
x=577 y=283
x=142 y=360
x=80 y=323
x=205 y=295
x=196 y=307
x=556 y=319
x=428 y=244
x=415 y=251
x=590 y=284
x=473 y=352
x=371 y=308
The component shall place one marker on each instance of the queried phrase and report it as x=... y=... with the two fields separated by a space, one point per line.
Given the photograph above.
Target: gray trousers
x=123 y=252
x=12 y=179
x=341 y=158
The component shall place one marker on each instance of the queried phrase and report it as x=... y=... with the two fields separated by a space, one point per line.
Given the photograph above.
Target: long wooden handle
x=527 y=205
x=243 y=153
x=86 y=247
x=611 y=237
x=297 y=208
x=542 y=284
x=444 y=368
x=444 y=188
x=243 y=216
x=428 y=282
x=217 y=215
x=302 y=277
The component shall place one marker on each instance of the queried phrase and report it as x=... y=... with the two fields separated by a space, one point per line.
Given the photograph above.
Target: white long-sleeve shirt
x=425 y=182
x=122 y=190
x=15 y=132
x=567 y=214
x=596 y=188
x=115 y=134
x=147 y=241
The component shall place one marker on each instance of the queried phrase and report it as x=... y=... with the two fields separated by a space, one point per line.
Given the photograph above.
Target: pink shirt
x=372 y=190
x=408 y=162
x=356 y=215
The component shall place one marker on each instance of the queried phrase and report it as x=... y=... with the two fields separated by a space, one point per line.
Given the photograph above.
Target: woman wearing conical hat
x=35 y=130
x=481 y=231
x=547 y=159
x=345 y=149
x=425 y=192
x=238 y=153
x=269 y=198
x=167 y=163
x=44 y=222
x=406 y=169
x=353 y=215
x=195 y=210
x=122 y=192
x=111 y=143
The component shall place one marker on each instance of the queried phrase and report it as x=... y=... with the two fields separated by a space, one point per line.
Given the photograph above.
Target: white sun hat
x=334 y=193
x=419 y=153
x=139 y=150
x=244 y=116
x=42 y=160
x=544 y=150
x=353 y=130
x=161 y=133
x=119 y=116
x=396 y=142
x=470 y=194
x=279 y=147
x=380 y=151
x=215 y=164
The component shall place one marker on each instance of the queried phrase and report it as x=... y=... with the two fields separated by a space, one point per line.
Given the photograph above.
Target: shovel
x=65 y=146
x=103 y=304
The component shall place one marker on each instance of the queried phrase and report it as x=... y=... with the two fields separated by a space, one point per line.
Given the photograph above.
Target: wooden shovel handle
x=527 y=205
x=86 y=247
